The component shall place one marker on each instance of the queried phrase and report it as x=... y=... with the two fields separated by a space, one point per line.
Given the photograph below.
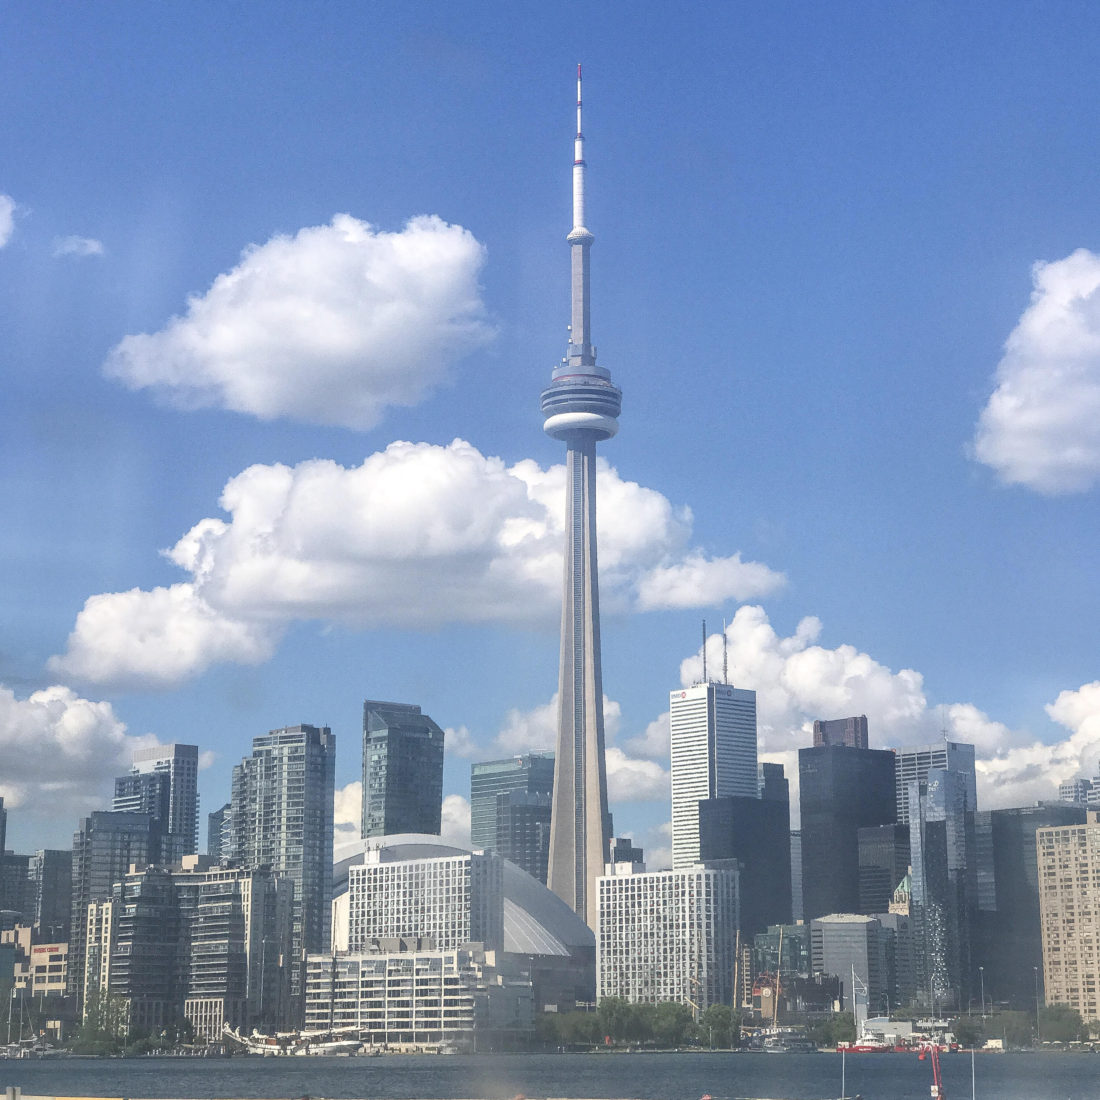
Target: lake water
x=1021 y=1076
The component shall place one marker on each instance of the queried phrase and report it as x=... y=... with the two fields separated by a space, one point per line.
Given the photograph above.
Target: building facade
x=1069 y=913
x=755 y=832
x=849 y=732
x=281 y=818
x=1008 y=939
x=104 y=848
x=510 y=809
x=942 y=898
x=667 y=935
x=913 y=765
x=173 y=800
x=449 y=900
x=883 y=864
x=713 y=748
x=852 y=948
x=411 y=996
x=402 y=770
x=841 y=791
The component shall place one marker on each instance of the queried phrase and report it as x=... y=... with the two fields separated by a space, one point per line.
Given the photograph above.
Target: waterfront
x=686 y=1076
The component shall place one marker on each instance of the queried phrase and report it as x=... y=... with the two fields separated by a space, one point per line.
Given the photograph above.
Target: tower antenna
x=704 y=651
x=725 y=657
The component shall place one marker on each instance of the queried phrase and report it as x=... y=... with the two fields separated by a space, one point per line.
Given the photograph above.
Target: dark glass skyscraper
x=755 y=832
x=944 y=884
x=883 y=863
x=1009 y=940
x=841 y=791
x=402 y=770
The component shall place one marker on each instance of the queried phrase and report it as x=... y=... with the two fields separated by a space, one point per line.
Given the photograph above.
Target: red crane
x=932 y=1051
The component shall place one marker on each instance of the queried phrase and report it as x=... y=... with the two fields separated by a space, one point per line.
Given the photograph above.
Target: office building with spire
x=713 y=747
x=581 y=407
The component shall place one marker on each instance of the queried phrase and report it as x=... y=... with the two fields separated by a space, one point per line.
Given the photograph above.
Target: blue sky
x=846 y=272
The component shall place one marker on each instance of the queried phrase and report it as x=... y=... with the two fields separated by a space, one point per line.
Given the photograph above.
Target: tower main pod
x=581 y=407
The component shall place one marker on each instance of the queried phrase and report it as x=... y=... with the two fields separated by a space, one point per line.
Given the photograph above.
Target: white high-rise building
x=667 y=935
x=913 y=766
x=449 y=900
x=713 y=730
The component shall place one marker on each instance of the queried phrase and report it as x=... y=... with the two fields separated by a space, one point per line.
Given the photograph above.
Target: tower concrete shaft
x=581 y=408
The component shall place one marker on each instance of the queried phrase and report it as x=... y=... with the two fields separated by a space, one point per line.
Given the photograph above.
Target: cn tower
x=581 y=407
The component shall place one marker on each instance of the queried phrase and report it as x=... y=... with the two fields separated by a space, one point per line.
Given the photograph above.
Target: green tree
x=620 y=1020
x=716 y=1026
x=672 y=1024
x=1016 y=1029
x=969 y=1031
x=1061 y=1024
x=838 y=1028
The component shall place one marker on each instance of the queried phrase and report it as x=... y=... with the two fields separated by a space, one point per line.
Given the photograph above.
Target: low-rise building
x=405 y=994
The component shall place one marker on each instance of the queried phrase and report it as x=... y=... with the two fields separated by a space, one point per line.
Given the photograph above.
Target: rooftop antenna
x=725 y=656
x=943 y=722
x=705 y=651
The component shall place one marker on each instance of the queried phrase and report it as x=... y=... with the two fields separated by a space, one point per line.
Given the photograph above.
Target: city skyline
x=813 y=449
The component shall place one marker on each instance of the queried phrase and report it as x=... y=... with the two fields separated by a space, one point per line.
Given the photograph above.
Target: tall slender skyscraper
x=281 y=817
x=581 y=407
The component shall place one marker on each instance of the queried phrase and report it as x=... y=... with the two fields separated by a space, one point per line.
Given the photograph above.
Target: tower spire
x=581 y=408
x=578 y=169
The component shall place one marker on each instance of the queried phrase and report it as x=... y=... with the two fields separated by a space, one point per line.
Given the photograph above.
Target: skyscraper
x=1008 y=939
x=581 y=407
x=402 y=770
x=510 y=807
x=944 y=884
x=713 y=738
x=841 y=790
x=883 y=863
x=851 y=732
x=755 y=832
x=164 y=782
x=103 y=850
x=667 y=935
x=281 y=817
x=1069 y=869
x=532 y=773
x=914 y=764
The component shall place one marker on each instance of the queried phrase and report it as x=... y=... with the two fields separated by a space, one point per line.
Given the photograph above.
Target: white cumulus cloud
x=630 y=779
x=77 y=246
x=347 y=817
x=416 y=536
x=1041 y=426
x=331 y=325
x=7 y=218
x=455 y=828
x=60 y=752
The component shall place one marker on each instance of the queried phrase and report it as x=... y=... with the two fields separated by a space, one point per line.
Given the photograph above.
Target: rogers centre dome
x=536 y=921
